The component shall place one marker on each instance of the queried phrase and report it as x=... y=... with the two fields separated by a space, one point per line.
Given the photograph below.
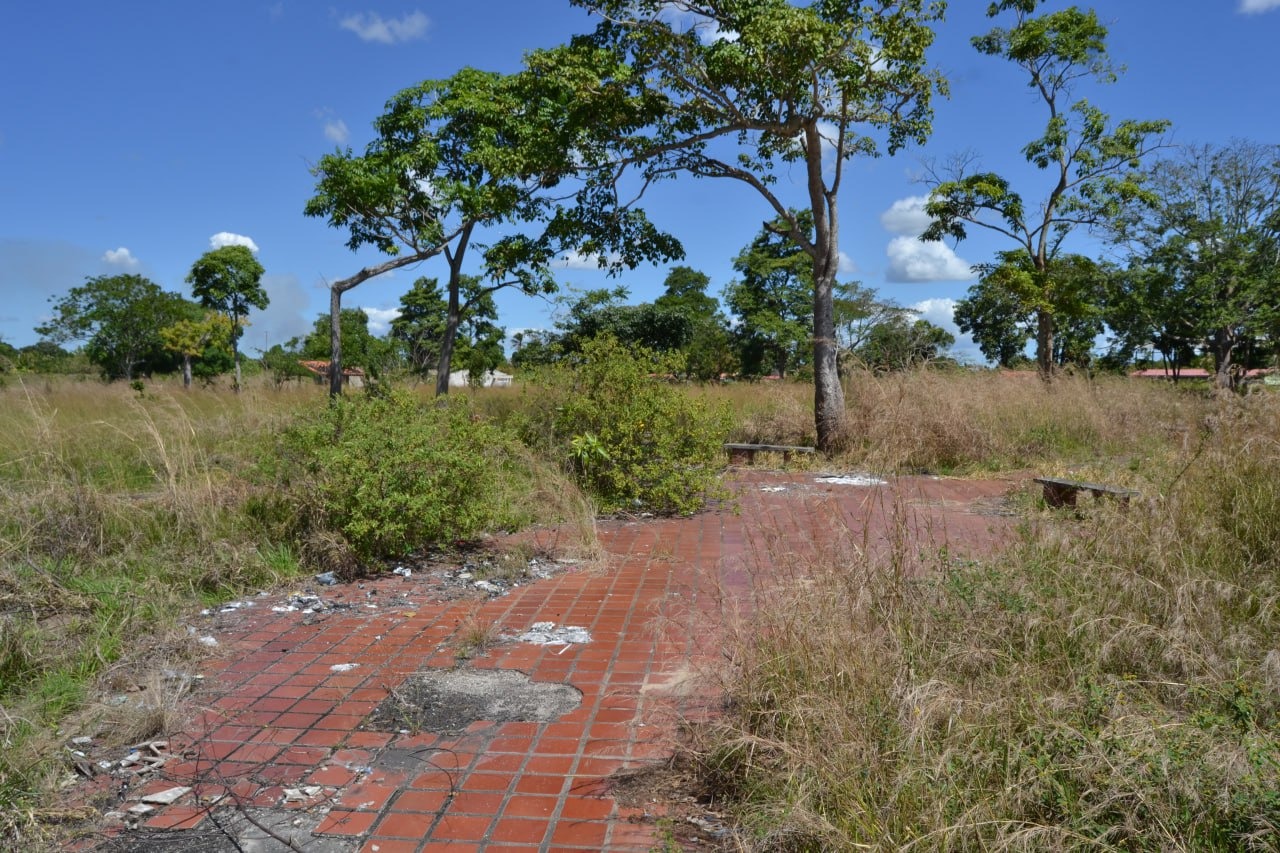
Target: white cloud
x=911 y=260
x=939 y=312
x=121 y=257
x=1253 y=7
x=226 y=238
x=906 y=216
x=579 y=261
x=380 y=318
x=335 y=130
x=846 y=265
x=370 y=26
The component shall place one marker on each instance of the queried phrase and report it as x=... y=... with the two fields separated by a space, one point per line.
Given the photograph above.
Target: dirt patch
x=448 y=702
x=671 y=795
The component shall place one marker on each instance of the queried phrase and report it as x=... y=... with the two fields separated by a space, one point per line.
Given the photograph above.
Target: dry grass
x=1112 y=683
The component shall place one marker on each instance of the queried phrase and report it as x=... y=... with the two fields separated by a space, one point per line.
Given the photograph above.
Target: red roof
x=1192 y=373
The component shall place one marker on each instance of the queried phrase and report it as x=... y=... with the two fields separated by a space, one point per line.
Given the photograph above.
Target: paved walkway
x=286 y=722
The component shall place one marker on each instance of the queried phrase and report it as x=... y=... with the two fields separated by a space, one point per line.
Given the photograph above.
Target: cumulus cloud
x=1253 y=7
x=370 y=26
x=912 y=260
x=942 y=312
x=335 y=130
x=121 y=257
x=380 y=318
x=846 y=265
x=906 y=216
x=226 y=238
x=579 y=261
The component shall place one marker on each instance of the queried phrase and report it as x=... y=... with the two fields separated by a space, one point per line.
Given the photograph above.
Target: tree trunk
x=186 y=371
x=335 y=342
x=828 y=394
x=452 y=320
x=1223 y=345
x=1044 y=344
x=444 y=365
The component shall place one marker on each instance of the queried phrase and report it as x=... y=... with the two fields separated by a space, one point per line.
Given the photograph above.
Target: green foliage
x=634 y=441
x=359 y=347
x=901 y=344
x=119 y=318
x=1091 y=165
x=773 y=302
x=392 y=475
x=229 y=280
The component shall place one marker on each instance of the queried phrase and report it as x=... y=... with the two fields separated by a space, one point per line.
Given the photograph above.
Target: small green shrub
x=630 y=438
x=391 y=474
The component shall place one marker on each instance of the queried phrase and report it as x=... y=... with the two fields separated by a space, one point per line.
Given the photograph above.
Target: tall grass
x=967 y=422
x=1112 y=683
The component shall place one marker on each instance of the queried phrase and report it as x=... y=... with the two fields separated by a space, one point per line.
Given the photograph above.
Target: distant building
x=490 y=379
x=1196 y=373
x=352 y=377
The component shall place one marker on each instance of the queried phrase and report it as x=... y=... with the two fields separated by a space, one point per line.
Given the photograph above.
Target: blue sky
x=136 y=135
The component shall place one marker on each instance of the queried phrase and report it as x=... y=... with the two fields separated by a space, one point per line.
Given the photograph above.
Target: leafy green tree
x=773 y=302
x=901 y=343
x=423 y=325
x=363 y=348
x=229 y=280
x=1205 y=257
x=119 y=319
x=1091 y=164
x=455 y=157
x=858 y=311
x=706 y=88
x=997 y=319
x=419 y=328
x=193 y=338
x=708 y=352
x=284 y=362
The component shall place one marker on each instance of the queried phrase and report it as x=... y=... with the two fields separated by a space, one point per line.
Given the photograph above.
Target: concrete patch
x=233 y=831
x=448 y=702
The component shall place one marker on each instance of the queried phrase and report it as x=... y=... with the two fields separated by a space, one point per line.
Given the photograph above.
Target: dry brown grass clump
x=1111 y=683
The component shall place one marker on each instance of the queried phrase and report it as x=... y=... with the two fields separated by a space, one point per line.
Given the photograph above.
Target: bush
x=391 y=474
x=630 y=438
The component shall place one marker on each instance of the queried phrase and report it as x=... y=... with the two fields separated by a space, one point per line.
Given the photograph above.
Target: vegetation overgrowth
x=122 y=511
x=1110 y=682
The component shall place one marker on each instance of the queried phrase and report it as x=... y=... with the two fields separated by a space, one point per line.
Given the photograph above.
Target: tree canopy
x=740 y=88
x=229 y=280
x=1091 y=163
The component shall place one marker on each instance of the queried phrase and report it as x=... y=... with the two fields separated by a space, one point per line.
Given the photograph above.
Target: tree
x=1205 y=256
x=229 y=280
x=453 y=157
x=119 y=319
x=901 y=343
x=999 y=321
x=858 y=311
x=707 y=88
x=1091 y=165
x=773 y=301
x=422 y=324
x=191 y=338
x=362 y=347
x=708 y=352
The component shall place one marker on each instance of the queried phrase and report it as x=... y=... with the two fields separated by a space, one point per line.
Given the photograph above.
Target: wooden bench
x=1060 y=492
x=745 y=454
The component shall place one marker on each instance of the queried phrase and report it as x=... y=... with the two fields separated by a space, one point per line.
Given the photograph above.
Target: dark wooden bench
x=745 y=454
x=1060 y=492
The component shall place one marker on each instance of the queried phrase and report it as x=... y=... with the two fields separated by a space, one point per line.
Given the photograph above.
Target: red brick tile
x=404 y=825
x=179 y=817
x=486 y=782
x=586 y=808
x=531 y=806
x=345 y=823
x=477 y=802
x=366 y=795
x=331 y=775
x=526 y=831
x=588 y=834
x=460 y=828
x=420 y=801
x=373 y=740
x=389 y=845
x=541 y=784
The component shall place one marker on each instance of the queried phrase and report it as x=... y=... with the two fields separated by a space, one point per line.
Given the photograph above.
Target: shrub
x=391 y=474
x=631 y=439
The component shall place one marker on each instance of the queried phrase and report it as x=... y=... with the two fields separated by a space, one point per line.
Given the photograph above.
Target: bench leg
x=786 y=457
x=1056 y=495
x=739 y=456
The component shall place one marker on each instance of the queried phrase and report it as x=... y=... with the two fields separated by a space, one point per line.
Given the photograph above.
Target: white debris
x=208 y=640
x=232 y=606
x=486 y=586
x=343 y=667
x=327 y=578
x=851 y=480
x=299 y=795
x=83 y=740
x=140 y=809
x=402 y=572
x=286 y=608
x=547 y=634
x=773 y=488
x=168 y=796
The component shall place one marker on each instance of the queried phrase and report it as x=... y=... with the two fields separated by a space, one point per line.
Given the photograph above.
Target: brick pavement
x=277 y=715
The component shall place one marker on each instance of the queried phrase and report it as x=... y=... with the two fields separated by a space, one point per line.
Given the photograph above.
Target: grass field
x=1115 y=690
